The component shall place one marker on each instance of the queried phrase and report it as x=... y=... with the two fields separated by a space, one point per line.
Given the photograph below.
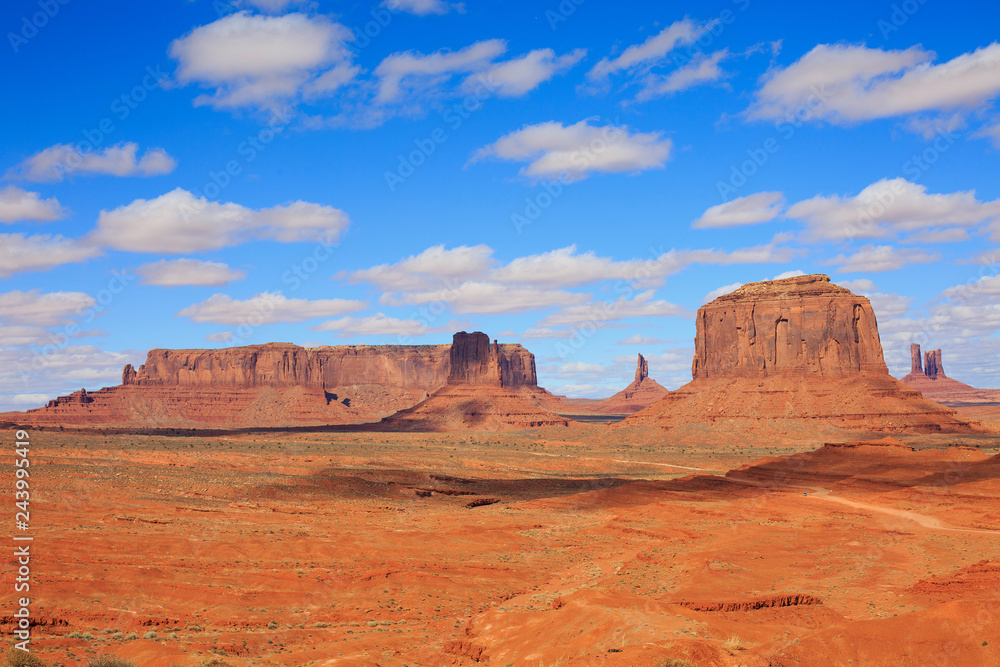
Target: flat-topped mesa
x=803 y=325
x=641 y=369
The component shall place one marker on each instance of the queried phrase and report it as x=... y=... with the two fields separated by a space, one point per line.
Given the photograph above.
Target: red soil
x=391 y=548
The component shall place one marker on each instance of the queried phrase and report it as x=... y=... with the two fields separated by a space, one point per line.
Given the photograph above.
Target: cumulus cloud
x=424 y=7
x=410 y=72
x=581 y=367
x=702 y=69
x=748 y=210
x=40 y=252
x=574 y=152
x=641 y=305
x=378 y=324
x=220 y=337
x=179 y=222
x=991 y=132
x=638 y=58
x=639 y=339
x=433 y=267
x=266 y=308
x=17 y=205
x=42 y=309
x=260 y=61
x=843 y=83
x=519 y=76
x=872 y=259
x=889 y=207
x=858 y=285
x=487 y=298
x=56 y=162
x=178 y=272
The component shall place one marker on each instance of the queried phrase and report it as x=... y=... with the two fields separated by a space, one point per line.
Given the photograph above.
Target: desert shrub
x=16 y=658
x=674 y=662
x=733 y=644
x=110 y=661
x=215 y=662
x=150 y=635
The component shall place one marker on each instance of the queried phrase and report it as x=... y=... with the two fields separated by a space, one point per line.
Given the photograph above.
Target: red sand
x=522 y=548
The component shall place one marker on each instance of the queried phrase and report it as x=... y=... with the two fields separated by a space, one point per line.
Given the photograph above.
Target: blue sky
x=577 y=176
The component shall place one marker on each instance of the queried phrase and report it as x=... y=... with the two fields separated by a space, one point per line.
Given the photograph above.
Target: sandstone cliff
x=641 y=393
x=284 y=384
x=798 y=356
x=803 y=325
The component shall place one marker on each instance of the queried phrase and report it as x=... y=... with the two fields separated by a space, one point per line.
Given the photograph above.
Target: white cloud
x=539 y=332
x=432 y=267
x=21 y=335
x=179 y=222
x=554 y=150
x=948 y=235
x=404 y=74
x=642 y=305
x=581 y=367
x=848 y=83
x=259 y=61
x=423 y=7
x=639 y=57
x=266 y=308
x=486 y=298
x=513 y=78
x=719 y=291
x=31 y=400
x=565 y=268
x=639 y=339
x=889 y=305
x=220 y=337
x=177 y=272
x=991 y=132
x=376 y=325
x=930 y=127
x=56 y=162
x=872 y=258
x=888 y=207
x=48 y=309
x=748 y=210
x=40 y=252
x=858 y=285
x=703 y=69
x=17 y=205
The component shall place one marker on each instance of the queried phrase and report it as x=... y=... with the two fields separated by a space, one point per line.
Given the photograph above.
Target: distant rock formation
x=794 y=357
x=933 y=366
x=284 y=384
x=641 y=369
x=643 y=392
x=931 y=381
x=485 y=391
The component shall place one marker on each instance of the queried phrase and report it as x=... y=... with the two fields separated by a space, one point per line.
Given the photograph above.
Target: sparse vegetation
x=674 y=662
x=733 y=644
x=110 y=661
x=150 y=635
x=17 y=658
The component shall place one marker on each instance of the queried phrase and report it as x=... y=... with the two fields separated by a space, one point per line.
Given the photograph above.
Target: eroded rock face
x=796 y=326
x=641 y=369
x=280 y=383
x=933 y=366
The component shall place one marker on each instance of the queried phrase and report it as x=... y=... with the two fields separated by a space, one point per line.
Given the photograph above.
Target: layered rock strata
x=283 y=384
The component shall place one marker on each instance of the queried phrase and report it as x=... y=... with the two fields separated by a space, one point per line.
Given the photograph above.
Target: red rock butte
x=486 y=390
x=789 y=357
x=281 y=384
